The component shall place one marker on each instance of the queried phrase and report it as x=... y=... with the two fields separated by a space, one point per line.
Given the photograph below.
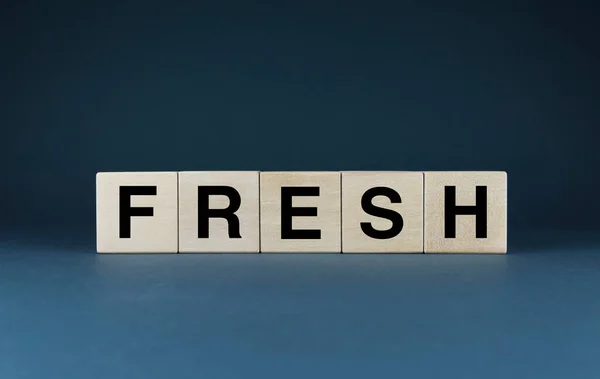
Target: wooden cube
x=465 y=212
x=136 y=212
x=300 y=212
x=218 y=212
x=382 y=212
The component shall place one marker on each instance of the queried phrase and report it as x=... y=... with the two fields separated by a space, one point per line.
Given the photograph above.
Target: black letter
x=369 y=208
x=126 y=211
x=204 y=213
x=287 y=211
x=451 y=210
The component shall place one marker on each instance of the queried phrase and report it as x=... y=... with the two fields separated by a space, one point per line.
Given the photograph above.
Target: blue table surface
x=66 y=312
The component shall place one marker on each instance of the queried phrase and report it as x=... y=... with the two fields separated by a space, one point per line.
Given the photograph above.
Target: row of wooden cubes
x=312 y=212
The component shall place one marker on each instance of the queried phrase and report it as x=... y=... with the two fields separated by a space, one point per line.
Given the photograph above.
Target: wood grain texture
x=408 y=186
x=149 y=234
x=465 y=241
x=327 y=220
x=219 y=239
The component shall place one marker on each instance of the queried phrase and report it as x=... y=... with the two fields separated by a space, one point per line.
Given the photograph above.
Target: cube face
x=219 y=212
x=136 y=212
x=300 y=212
x=382 y=212
x=465 y=212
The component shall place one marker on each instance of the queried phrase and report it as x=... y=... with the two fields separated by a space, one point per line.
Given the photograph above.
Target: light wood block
x=382 y=212
x=311 y=220
x=136 y=212
x=219 y=212
x=446 y=232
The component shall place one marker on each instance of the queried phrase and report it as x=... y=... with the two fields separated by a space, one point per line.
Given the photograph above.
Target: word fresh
x=302 y=212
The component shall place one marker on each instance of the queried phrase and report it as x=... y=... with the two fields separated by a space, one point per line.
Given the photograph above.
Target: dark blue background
x=234 y=85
